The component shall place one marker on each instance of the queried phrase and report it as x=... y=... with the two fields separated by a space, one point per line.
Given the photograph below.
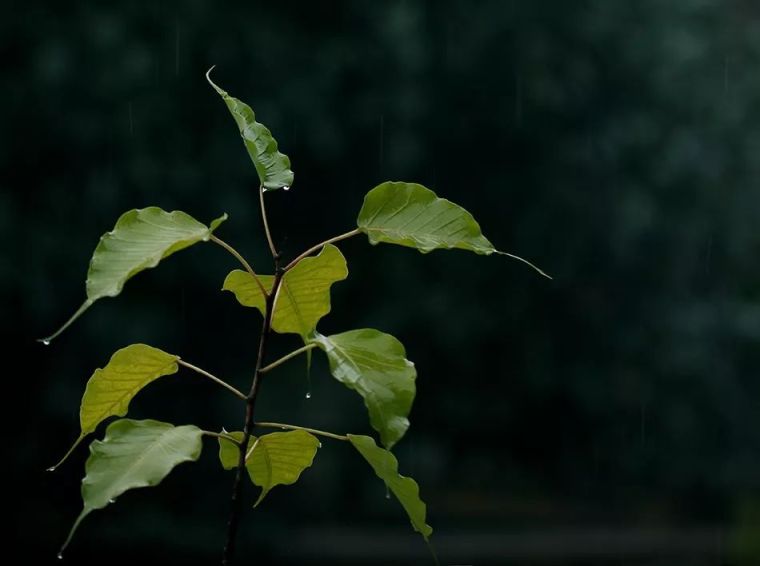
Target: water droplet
x=319 y=445
x=45 y=342
x=286 y=187
x=50 y=469
x=60 y=556
x=308 y=394
x=387 y=492
x=112 y=501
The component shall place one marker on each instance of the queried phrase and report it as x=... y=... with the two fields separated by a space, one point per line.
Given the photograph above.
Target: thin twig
x=222 y=436
x=294 y=427
x=213 y=378
x=287 y=357
x=266 y=223
x=320 y=245
x=242 y=260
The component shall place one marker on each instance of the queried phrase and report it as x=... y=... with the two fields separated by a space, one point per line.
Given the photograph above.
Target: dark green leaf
x=405 y=489
x=133 y=454
x=374 y=365
x=272 y=166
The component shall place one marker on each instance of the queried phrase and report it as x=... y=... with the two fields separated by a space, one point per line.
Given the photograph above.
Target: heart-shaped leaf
x=405 y=489
x=140 y=239
x=133 y=454
x=111 y=388
x=277 y=458
x=374 y=365
x=408 y=214
x=304 y=294
x=272 y=166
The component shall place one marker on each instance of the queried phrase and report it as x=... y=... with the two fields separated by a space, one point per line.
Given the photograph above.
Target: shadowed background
x=610 y=416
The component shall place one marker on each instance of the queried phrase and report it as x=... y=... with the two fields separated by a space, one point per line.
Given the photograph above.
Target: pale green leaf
x=277 y=458
x=272 y=166
x=111 y=388
x=140 y=239
x=374 y=365
x=304 y=294
x=405 y=489
x=133 y=454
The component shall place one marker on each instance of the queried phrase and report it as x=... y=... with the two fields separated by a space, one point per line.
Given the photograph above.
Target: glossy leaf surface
x=404 y=488
x=272 y=166
x=134 y=454
x=374 y=365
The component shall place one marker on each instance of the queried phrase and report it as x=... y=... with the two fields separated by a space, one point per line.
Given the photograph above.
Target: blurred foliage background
x=610 y=416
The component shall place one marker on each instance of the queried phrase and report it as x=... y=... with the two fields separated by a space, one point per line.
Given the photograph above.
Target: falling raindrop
x=60 y=556
x=308 y=394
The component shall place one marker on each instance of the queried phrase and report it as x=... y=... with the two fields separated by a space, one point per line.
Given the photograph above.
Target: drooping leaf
x=374 y=365
x=405 y=489
x=133 y=454
x=111 y=388
x=277 y=459
x=272 y=166
x=140 y=239
x=411 y=215
x=304 y=294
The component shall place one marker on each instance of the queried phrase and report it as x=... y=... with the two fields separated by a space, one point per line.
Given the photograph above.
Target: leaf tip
x=212 y=83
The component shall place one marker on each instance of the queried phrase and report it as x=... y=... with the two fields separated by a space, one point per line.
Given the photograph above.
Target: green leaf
x=272 y=166
x=304 y=295
x=139 y=241
x=405 y=489
x=133 y=454
x=374 y=365
x=277 y=458
x=411 y=215
x=111 y=388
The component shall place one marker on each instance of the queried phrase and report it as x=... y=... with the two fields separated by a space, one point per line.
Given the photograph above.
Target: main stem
x=250 y=402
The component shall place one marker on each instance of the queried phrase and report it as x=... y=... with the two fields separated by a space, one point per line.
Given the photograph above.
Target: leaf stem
x=266 y=222
x=320 y=245
x=287 y=357
x=221 y=435
x=242 y=261
x=306 y=429
x=213 y=378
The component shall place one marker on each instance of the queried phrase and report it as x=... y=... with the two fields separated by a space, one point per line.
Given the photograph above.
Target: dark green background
x=610 y=416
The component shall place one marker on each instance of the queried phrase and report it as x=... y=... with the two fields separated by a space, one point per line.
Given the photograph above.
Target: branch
x=294 y=427
x=320 y=245
x=237 y=486
x=213 y=378
x=287 y=357
x=242 y=260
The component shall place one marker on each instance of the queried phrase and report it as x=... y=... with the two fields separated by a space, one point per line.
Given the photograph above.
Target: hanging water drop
x=319 y=445
x=112 y=501
x=308 y=394
x=387 y=492
x=286 y=187
x=50 y=469
x=45 y=341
